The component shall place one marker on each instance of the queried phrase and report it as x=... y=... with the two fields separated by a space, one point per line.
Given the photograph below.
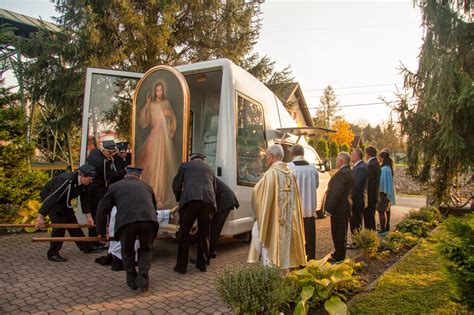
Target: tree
x=322 y=148
x=328 y=108
x=131 y=36
x=18 y=183
x=438 y=120
x=343 y=133
x=333 y=148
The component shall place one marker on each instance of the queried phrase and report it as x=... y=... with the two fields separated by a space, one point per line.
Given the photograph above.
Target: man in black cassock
x=56 y=198
x=135 y=218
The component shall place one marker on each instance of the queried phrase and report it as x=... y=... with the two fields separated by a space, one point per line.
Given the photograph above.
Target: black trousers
x=94 y=199
x=310 y=237
x=369 y=216
x=145 y=231
x=356 y=218
x=191 y=211
x=217 y=223
x=339 y=236
x=64 y=215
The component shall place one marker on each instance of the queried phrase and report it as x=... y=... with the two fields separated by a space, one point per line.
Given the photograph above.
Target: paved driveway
x=29 y=283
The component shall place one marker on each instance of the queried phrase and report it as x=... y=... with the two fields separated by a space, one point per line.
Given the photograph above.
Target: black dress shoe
x=334 y=261
x=175 y=268
x=203 y=268
x=57 y=258
x=104 y=260
x=350 y=246
x=212 y=254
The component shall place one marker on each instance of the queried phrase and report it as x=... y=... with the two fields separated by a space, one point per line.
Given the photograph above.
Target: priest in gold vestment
x=278 y=232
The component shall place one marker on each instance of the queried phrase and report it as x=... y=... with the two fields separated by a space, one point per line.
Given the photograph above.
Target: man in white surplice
x=307 y=179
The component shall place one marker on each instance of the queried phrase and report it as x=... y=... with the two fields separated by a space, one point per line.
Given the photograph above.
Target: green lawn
x=416 y=286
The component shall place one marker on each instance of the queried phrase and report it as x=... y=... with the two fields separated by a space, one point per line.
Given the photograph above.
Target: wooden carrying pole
x=70 y=239
x=51 y=225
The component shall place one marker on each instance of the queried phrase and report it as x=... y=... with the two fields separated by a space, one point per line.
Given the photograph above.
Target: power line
x=356 y=93
x=361 y=104
x=354 y=87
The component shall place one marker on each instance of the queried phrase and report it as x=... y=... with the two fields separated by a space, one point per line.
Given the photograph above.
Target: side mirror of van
x=327 y=165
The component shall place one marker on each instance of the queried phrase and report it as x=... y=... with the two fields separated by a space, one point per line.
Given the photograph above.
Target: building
x=291 y=95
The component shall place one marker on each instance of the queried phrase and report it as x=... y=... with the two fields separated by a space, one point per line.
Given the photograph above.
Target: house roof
x=284 y=91
x=25 y=24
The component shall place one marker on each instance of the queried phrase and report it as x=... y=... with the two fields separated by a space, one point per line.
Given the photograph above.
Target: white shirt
x=307 y=178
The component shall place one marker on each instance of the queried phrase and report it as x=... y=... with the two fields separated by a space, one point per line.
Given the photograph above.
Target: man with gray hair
x=277 y=235
x=307 y=179
x=339 y=204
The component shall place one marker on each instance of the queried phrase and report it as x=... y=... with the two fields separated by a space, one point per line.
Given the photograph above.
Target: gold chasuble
x=279 y=220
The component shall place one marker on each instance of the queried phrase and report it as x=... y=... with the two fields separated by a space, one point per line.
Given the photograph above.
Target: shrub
x=415 y=227
x=458 y=251
x=396 y=240
x=322 y=149
x=254 y=289
x=28 y=215
x=430 y=215
x=367 y=241
x=333 y=149
x=345 y=147
x=321 y=283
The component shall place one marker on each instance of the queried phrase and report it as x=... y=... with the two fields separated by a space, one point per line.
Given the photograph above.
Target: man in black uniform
x=225 y=201
x=122 y=158
x=194 y=187
x=107 y=174
x=56 y=199
x=136 y=218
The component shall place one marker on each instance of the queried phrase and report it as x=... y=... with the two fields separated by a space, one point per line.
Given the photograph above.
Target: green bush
x=255 y=289
x=415 y=227
x=345 y=147
x=396 y=240
x=367 y=241
x=320 y=283
x=333 y=149
x=458 y=251
x=322 y=149
x=430 y=215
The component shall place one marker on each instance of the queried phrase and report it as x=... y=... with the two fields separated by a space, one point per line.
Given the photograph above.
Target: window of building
x=251 y=143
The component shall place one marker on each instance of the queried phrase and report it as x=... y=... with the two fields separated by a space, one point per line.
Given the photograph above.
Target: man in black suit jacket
x=339 y=204
x=372 y=188
x=194 y=187
x=359 y=189
x=136 y=218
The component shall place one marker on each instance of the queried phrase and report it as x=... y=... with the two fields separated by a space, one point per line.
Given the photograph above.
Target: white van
x=234 y=118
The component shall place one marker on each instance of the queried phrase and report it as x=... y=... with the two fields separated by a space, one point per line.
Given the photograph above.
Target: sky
x=356 y=46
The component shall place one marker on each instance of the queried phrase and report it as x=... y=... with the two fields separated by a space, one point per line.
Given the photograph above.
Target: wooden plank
x=70 y=239
x=51 y=225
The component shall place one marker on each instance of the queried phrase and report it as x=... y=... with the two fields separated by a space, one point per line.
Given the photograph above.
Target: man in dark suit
x=225 y=201
x=56 y=199
x=135 y=218
x=372 y=187
x=359 y=190
x=107 y=174
x=122 y=158
x=194 y=187
x=339 y=204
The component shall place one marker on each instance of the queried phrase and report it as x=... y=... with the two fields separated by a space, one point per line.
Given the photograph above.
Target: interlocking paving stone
x=32 y=284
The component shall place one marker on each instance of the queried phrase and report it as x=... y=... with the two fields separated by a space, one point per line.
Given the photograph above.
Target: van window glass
x=251 y=143
x=205 y=95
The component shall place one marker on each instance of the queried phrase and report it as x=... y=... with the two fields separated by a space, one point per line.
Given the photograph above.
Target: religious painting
x=160 y=129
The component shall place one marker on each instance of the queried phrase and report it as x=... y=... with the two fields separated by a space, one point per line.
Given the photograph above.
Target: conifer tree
x=328 y=108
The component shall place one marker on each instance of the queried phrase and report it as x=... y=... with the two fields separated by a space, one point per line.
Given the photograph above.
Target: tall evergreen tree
x=328 y=108
x=438 y=124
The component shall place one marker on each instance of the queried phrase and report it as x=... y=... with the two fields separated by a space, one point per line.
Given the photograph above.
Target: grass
x=415 y=286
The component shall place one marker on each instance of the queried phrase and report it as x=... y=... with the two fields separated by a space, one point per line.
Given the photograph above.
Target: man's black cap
x=134 y=170
x=108 y=144
x=193 y=156
x=87 y=170
x=122 y=146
